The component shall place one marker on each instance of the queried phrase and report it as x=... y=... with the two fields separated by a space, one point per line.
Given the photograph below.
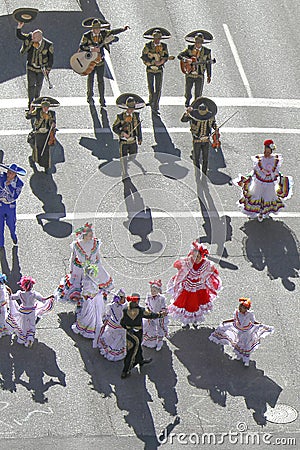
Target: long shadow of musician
x=13 y=273
x=139 y=221
x=6 y=366
x=67 y=22
x=166 y=152
x=35 y=363
x=216 y=161
x=131 y=395
x=45 y=189
x=103 y=146
x=220 y=375
x=218 y=228
x=274 y=246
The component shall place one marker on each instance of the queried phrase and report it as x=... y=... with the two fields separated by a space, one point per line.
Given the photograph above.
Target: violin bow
x=225 y=121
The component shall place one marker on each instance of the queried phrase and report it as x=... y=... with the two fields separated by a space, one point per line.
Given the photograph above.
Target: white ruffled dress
x=243 y=335
x=112 y=339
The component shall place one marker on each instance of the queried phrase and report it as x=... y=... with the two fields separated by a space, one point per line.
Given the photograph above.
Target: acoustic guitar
x=157 y=58
x=84 y=62
x=189 y=67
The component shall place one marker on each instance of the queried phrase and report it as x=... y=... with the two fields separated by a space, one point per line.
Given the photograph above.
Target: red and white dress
x=264 y=188
x=21 y=319
x=243 y=335
x=154 y=330
x=194 y=289
x=3 y=310
x=112 y=339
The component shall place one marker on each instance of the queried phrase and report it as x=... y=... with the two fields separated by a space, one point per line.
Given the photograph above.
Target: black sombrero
x=14 y=168
x=25 y=14
x=165 y=34
x=208 y=37
x=37 y=103
x=90 y=21
x=129 y=100
x=203 y=109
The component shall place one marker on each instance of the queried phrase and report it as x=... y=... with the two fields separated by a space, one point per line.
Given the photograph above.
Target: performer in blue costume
x=10 y=189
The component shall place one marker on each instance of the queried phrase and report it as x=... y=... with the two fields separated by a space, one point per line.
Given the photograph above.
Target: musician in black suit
x=128 y=127
x=39 y=138
x=201 y=115
x=202 y=57
x=39 y=59
x=155 y=55
x=94 y=41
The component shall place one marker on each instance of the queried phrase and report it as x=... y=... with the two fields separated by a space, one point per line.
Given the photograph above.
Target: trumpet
x=50 y=85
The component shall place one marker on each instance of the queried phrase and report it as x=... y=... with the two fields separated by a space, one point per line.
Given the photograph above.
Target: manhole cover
x=281 y=414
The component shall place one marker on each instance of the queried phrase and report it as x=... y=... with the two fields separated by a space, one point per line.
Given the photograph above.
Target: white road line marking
x=113 y=82
x=237 y=60
x=171 y=130
x=21 y=103
x=155 y=215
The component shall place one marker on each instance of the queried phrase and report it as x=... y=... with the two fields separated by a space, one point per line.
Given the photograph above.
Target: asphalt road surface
x=61 y=393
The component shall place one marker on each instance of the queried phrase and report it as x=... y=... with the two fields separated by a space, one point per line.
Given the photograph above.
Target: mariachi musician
x=155 y=55
x=195 y=61
x=201 y=115
x=128 y=127
x=42 y=137
x=93 y=41
x=39 y=51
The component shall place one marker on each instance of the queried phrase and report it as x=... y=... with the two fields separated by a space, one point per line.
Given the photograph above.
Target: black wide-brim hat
x=37 y=103
x=121 y=101
x=208 y=37
x=14 y=168
x=25 y=14
x=165 y=34
x=211 y=109
x=88 y=23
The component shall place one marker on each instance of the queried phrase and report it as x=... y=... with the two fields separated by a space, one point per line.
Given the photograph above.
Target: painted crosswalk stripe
x=237 y=60
x=21 y=103
x=154 y=214
x=170 y=130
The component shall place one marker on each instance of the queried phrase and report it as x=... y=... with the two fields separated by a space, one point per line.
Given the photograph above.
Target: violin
x=216 y=143
x=52 y=138
x=128 y=119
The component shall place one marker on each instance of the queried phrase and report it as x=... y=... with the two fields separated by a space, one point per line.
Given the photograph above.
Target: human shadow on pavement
x=45 y=189
x=6 y=365
x=57 y=26
x=271 y=244
x=214 y=371
x=166 y=152
x=13 y=273
x=131 y=394
x=218 y=229
x=103 y=145
x=216 y=161
x=35 y=363
x=139 y=221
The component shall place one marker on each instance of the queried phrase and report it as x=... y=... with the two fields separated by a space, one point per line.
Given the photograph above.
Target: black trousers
x=34 y=84
x=189 y=83
x=41 y=152
x=154 y=87
x=99 y=71
x=134 y=353
x=198 y=148
x=127 y=153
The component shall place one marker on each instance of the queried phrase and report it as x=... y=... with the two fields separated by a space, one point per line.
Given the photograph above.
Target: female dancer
x=194 y=288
